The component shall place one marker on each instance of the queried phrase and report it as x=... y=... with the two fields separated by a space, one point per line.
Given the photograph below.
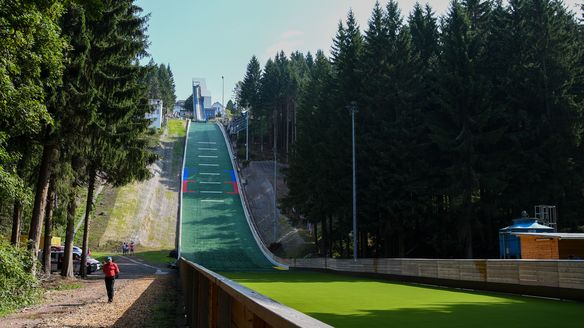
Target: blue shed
x=509 y=243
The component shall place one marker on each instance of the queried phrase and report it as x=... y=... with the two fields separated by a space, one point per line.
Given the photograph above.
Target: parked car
x=58 y=255
x=92 y=264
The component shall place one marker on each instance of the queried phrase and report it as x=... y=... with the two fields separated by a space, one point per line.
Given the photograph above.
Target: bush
x=18 y=287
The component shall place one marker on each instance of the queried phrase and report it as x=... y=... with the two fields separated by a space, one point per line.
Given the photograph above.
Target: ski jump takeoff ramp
x=215 y=229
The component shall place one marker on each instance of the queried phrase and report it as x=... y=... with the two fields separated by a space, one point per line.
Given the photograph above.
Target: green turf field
x=344 y=301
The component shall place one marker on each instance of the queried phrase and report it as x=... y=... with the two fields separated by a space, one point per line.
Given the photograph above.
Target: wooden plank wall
x=212 y=300
x=533 y=247
x=546 y=273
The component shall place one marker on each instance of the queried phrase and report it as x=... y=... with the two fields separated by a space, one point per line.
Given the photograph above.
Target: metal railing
x=212 y=300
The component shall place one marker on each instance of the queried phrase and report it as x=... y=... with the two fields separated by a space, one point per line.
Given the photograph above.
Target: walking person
x=112 y=272
x=132 y=248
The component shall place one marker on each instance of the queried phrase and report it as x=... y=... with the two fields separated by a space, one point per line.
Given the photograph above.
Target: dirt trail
x=138 y=294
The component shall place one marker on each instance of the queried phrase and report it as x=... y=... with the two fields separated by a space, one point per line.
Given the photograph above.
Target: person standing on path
x=111 y=271
x=132 y=248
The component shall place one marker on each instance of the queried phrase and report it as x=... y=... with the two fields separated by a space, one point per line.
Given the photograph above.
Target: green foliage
x=160 y=81
x=32 y=53
x=231 y=108
x=189 y=103
x=249 y=92
x=18 y=287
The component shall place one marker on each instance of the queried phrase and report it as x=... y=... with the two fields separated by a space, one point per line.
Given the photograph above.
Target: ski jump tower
x=201 y=99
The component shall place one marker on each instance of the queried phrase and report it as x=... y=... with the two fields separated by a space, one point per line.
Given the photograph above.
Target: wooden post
x=202 y=308
x=224 y=312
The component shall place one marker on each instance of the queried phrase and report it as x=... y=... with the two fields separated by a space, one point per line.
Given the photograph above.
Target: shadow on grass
x=300 y=276
x=475 y=315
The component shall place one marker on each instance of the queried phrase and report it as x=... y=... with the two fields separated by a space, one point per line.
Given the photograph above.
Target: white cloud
x=288 y=42
x=291 y=34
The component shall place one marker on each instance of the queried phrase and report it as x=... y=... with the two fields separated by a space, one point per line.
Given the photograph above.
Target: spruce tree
x=117 y=131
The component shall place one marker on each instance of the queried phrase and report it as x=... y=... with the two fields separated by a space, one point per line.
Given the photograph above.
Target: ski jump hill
x=215 y=229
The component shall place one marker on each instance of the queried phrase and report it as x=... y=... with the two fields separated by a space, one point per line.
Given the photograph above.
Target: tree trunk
x=401 y=242
x=36 y=223
x=48 y=227
x=275 y=137
x=330 y=233
x=315 y=232
x=88 y=209
x=262 y=124
x=295 y=127
x=249 y=137
x=287 y=127
x=376 y=247
x=342 y=247
x=67 y=266
x=324 y=237
x=466 y=230
x=467 y=215
x=16 y=222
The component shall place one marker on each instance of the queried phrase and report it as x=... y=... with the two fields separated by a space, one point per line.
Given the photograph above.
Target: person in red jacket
x=111 y=271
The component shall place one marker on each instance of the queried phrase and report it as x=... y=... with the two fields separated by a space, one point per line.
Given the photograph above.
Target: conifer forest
x=462 y=121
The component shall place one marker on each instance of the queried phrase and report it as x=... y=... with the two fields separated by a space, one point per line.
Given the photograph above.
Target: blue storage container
x=509 y=244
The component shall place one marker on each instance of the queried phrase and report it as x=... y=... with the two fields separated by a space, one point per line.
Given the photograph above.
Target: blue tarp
x=524 y=224
x=509 y=244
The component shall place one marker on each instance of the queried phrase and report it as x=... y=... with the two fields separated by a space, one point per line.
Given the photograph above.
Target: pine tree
x=461 y=125
x=345 y=89
x=305 y=177
x=541 y=103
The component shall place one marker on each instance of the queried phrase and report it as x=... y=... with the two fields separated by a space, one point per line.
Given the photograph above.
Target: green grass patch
x=155 y=256
x=80 y=214
x=101 y=256
x=345 y=301
x=66 y=285
x=100 y=217
x=177 y=128
x=177 y=131
x=125 y=207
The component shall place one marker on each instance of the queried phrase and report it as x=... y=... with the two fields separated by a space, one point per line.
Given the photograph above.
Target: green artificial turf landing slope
x=344 y=301
x=215 y=232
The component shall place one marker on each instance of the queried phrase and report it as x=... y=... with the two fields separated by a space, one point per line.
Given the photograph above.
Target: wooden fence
x=551 y=278
x=212 y=300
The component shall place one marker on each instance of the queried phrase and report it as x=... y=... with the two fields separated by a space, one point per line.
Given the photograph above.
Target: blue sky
x=214 y=38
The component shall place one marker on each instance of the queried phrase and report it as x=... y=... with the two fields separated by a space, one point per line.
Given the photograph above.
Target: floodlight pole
x=353 y=108
x=275 y=175
x=223 y=92
x=247 y=135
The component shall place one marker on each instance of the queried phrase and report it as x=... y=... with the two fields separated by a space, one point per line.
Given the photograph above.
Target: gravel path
x=138 y=293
